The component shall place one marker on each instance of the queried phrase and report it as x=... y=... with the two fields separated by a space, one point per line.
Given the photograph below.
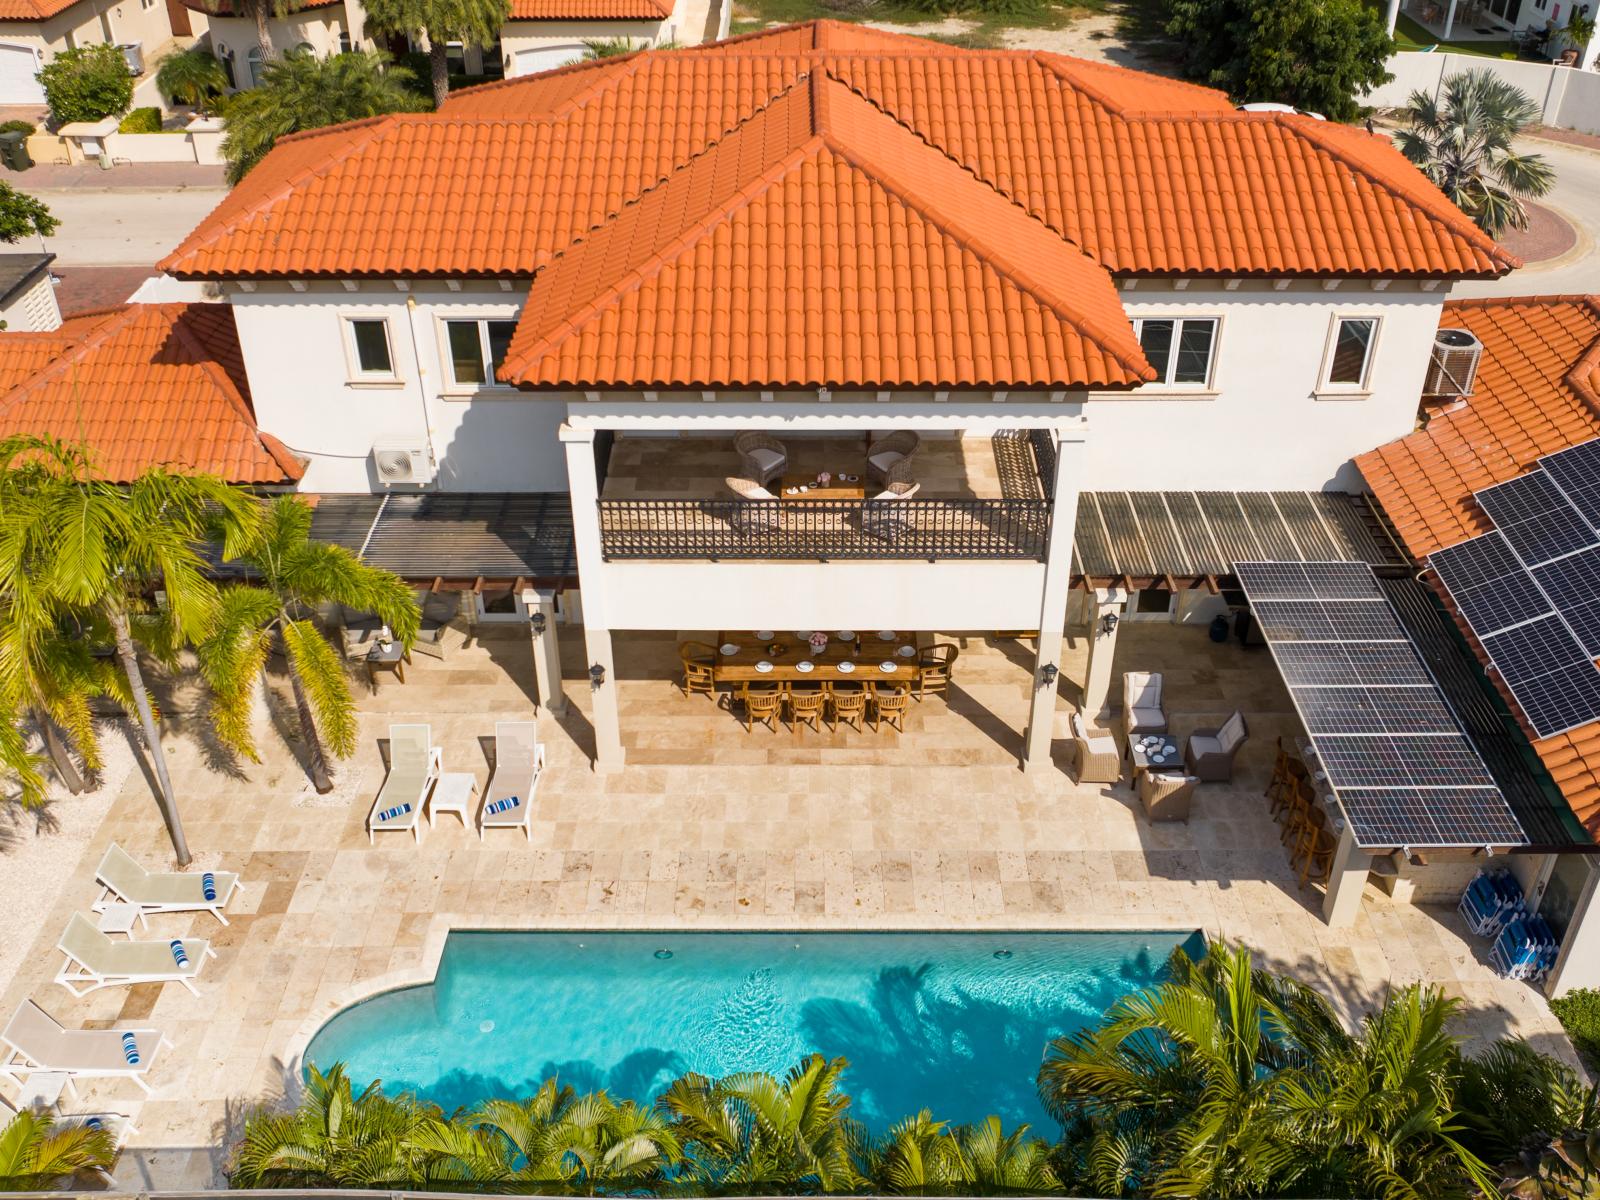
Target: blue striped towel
x=390 y=814
x=208 y=885
x=500 y=806
x=93 y=1123
x=179 y=955
x=130 y=1049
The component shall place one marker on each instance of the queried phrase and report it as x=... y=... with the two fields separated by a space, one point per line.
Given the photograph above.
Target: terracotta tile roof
x=225 y=8
x=590 y=10
x=143 y=385
x=1147 y=175
x=32 y=10
x=1537 y=391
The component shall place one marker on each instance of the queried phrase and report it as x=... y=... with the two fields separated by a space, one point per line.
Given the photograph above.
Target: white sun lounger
x=415 y=764
x=126 y=881
x=95 y=961
x=118 y=1125
x=35 y=1041
x=518 y=763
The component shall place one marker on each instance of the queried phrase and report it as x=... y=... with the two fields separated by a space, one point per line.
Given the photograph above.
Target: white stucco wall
x=33 y=309
x=496 y=439
x=1263 y=422
x=91 y=22
x=319 y=28
x=517 y=37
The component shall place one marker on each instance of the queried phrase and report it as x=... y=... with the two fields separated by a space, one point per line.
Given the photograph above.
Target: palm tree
x=921 y=1155
x=302 y=91
x=35 y=1156
x=1465 y=142
x=471 y=22
x=76 y=546
x=193 y=77
x=338 y=1138
x=600 y=1145
x=296 y=575
x=752 y=1131
x=598 y=48
x=261 y=12
x=1533 y=1115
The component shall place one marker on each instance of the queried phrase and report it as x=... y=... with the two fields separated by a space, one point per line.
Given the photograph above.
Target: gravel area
x=38 y=850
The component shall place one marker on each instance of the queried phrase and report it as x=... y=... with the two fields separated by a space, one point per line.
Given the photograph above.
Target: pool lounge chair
x=36 y=1041
x=94 y=961
x=127 y=882
x=518 y=763
x=118 y=1125
x=415 y=764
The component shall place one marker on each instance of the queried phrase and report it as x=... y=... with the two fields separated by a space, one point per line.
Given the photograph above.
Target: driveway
x=123 y=227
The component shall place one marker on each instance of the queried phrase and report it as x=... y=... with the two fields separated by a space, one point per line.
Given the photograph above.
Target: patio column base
x=1042 y=710
x=1346 y=881
x=546 y=652
x=1108 y=607
x=608 y=754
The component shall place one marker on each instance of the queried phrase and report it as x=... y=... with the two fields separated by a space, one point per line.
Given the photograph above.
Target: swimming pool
x=956 y=1022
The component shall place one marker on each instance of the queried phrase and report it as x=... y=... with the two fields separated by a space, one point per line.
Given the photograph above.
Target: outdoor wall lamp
x=538 y=623
x=1108 y=623
x=1048 y=673
x=597 y=675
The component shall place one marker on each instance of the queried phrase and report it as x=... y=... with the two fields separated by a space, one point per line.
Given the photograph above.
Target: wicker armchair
x=880 y=520
x=752 y=518
x=889 y=450
x=1166 y=797
x=1210 y=752
x=763 y=458
x=1143 y=710
x=358 y=631
x=439 y=609
x=1098 y=760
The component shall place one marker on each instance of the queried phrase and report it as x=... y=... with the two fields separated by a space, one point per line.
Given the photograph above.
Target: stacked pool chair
x=1525 y=949
x=1492 y=899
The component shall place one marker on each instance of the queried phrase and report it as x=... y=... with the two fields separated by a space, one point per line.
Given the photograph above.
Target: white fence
x=200 y=142
x=1568 y=97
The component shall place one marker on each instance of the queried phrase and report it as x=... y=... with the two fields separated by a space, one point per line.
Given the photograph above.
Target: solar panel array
x=1400 y=765
x=1530 y=589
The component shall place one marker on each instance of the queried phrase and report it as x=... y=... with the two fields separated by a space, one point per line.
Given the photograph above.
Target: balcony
x=979 y=498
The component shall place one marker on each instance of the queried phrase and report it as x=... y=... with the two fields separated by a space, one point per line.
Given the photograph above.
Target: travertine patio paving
x=708 y=827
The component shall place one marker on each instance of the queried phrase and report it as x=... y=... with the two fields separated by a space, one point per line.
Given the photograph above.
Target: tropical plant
x=598 y=48
x=193 y=77
x=1464 y=140
x=1532 y=1115
x=440 y=22
x=1317 y=55
x=35 y=1155
x=75 y=547
x=752 y=1131
x=1579 y=1014
x=22 y=215
x=922 y=1155
x=305 y=92
x=296 y=575
x=87 y=83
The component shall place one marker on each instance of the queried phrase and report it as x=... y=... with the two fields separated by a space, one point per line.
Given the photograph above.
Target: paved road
x=122 y=227
x=1576 y=196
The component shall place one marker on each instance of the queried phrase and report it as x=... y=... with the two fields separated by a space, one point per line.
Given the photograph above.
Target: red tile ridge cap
x=1007 y=264
x=293 y=465
x=1431 y=201
x=1061 y=66
x=605 y=68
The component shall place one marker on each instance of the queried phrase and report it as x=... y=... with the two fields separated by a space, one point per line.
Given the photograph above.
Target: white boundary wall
x=1568 y=97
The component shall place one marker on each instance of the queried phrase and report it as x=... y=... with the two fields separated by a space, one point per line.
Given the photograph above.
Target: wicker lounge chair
x=890 y=451
x=1166 y=797
x=762 y=457
x=1098 y=759
x=1210 y=752
x=1142 y=708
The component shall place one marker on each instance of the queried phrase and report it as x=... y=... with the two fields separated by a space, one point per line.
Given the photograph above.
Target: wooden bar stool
x=1319 y=858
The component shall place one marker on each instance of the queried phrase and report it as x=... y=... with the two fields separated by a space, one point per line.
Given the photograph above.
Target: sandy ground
x=38 y=851
x=1093 y=37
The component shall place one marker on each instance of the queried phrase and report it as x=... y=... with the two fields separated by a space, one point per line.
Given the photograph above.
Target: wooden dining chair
x=1319 y=858
x=699 y=668
x=849 y=705
x=889 y=706
x=762 y=702
x=933 y=669
x=805 y=707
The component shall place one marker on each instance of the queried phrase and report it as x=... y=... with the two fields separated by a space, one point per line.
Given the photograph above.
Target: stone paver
x=707 y=828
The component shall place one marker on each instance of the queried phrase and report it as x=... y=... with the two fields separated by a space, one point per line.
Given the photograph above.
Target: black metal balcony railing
x=824 y=529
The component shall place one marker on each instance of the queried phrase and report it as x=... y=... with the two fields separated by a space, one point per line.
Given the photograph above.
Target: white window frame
x=1130 y=611
x=1166 y=383
x=453 y=386
x=1326 y=386
x=352 y=355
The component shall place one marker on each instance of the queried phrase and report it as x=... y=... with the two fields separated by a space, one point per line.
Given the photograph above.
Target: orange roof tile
x=143 y=385
x=32 y=10
x=1537 y=391
x=589 y=10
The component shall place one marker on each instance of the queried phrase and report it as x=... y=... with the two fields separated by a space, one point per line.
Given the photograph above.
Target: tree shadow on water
x=639 y=1076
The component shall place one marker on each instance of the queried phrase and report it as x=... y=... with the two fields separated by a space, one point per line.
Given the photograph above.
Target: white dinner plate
x=764 y=635
x=906 y=651
x=886 y=635
x=888 y=668
x=763 y=666
x=847 y=668
x=846 y=635
x=805 y=666
x=802 y=634
x=729 y=648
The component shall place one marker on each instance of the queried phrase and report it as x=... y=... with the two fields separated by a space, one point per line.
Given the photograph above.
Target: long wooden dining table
x=856 y=661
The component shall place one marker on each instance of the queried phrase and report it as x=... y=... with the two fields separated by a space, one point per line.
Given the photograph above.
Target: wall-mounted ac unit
x=402 y=460
x=1454 y=365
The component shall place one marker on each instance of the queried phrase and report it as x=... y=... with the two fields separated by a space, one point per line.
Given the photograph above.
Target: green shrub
x=26 y=128
x=1579 y=1014
x=87 y=83
x=141 y=120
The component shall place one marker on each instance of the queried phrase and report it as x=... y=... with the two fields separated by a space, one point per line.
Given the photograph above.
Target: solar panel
x=1572 y=585
x=1388 y=740
x=1535 y=517
x=1577 y=472
x=1533 y=649
x=1489 y=584
x=1560 y=700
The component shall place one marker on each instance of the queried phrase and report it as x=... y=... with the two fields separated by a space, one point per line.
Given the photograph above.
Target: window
x=1351 y=355
x=344 y=43
x=371 y=356
x=253 y=66
x=1179 y=350
x=476 y=350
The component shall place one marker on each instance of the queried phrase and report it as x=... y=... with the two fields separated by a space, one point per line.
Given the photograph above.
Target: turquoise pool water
x=956 y=1022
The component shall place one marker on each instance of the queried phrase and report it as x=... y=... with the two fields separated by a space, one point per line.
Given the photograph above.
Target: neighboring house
x=1536 y=392
x=32 y=32
x=540 y=34
x=27 y=294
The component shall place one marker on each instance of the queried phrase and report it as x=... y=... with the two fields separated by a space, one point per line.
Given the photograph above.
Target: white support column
x=1394 y=15
x=1109 y=604
x=584 y=486
x=1070 y=453
x=1449 y=21
x=541 y=603
x=1578 y=964
x=1346 y=881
